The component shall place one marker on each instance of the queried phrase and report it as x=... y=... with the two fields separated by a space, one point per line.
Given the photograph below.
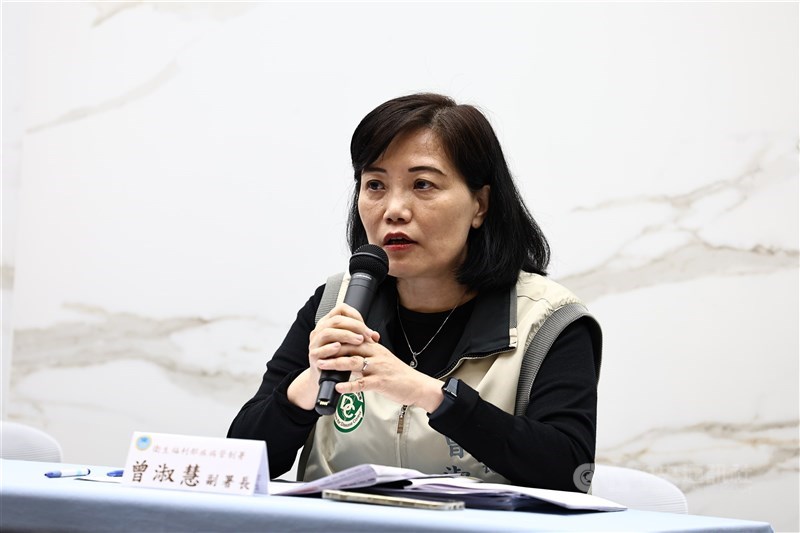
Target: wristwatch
x=450 y=388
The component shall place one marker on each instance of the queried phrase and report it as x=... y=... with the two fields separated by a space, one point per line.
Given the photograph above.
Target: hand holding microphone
x=368 y=268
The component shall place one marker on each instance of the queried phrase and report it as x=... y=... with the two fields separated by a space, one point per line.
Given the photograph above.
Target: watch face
x=451 y=387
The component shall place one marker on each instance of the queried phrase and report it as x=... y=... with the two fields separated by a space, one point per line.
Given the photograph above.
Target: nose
x=398 y=207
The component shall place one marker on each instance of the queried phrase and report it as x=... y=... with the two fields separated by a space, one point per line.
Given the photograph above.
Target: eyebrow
x=421 y=168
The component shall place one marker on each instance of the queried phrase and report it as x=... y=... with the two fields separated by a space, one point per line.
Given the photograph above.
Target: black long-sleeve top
x=541 y=449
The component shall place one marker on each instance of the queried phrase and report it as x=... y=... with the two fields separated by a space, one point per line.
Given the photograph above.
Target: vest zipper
x=401 y=419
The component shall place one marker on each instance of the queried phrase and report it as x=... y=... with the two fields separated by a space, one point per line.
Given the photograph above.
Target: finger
x=325 y=351
x=331 y=335
x=328 y=335
x=345 y=310
x=352 y=363
x=358 y=385
x=345 y=317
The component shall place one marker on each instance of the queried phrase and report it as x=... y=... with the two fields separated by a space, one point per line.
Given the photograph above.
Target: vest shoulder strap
x=329 y=296
x=328 y=302
x=542 y=342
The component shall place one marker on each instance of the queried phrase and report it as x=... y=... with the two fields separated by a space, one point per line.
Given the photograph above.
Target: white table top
x=31 y=501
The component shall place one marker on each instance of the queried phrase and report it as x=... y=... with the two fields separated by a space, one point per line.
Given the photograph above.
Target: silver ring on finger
x=366 y=363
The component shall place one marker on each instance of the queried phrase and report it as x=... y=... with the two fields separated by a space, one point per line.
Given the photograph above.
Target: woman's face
x=416 y=205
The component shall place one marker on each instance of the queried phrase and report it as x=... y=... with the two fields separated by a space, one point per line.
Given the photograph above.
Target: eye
x=373 y=185
x=423 y=184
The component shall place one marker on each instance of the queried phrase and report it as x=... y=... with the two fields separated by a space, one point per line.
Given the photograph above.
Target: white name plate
x=198 y=464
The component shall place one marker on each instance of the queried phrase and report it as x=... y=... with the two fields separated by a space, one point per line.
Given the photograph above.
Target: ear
x=482 y=201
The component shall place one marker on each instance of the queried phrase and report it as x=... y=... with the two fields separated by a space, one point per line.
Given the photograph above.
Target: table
x=29 y=501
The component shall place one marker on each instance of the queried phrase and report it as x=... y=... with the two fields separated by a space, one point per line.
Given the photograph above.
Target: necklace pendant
x=413 y=362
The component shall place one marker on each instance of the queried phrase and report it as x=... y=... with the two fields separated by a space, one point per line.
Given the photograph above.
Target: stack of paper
x=474 y=493
x=350 y=478
x=500 y=496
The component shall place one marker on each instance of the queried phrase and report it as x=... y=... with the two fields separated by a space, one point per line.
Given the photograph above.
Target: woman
x=441 y=377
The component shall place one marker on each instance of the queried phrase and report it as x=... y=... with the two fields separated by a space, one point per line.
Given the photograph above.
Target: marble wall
x=176 y=177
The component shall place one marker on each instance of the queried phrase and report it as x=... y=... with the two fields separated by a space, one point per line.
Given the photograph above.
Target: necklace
x=414 y=363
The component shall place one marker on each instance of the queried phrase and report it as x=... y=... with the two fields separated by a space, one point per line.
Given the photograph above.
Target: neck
x=432 y=296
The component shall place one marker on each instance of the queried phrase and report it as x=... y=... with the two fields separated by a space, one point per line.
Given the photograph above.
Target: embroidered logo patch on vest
x=349 y=412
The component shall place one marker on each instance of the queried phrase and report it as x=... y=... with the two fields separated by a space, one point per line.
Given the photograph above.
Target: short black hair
x=509 y=240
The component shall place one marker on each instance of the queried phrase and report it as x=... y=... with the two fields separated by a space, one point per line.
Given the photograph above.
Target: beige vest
x=369 y=428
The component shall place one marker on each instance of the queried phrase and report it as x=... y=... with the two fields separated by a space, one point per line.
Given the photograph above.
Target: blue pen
x=115 y=473
x=69 y=473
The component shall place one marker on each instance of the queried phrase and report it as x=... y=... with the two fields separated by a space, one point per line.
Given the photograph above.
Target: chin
x=398 y=273
x=401 y=271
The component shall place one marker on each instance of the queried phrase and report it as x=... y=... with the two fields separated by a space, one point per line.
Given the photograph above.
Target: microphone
x=368 y=268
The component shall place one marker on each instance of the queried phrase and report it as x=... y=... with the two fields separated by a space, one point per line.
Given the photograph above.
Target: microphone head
x=371 y=259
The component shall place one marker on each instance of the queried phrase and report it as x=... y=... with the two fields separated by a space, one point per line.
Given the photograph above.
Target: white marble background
x=176 y=176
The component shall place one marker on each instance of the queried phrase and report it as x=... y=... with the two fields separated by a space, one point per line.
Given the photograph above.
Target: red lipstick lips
x=397 y=241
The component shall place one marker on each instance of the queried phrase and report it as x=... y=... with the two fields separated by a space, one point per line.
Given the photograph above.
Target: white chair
x=637 y=489
x=26 y=443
